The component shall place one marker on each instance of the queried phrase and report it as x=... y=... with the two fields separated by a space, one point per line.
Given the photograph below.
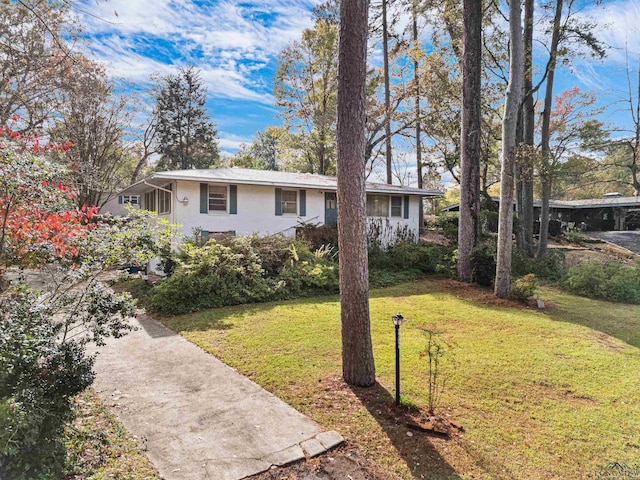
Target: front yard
x=540 y=394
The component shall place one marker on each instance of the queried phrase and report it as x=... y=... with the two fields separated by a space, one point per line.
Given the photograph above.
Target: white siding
x=256 y=211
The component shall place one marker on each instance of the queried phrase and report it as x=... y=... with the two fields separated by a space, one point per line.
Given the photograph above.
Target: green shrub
x=38 y=377
x=408 y=256
x=388 y=278
x=238 y=270
x=448 y=223
x=483 y=264
x=550 y=267
x=307 y=278
x=315 y=236
x=610 y=281
x=523 y=288
x=574 y=236
x=213 y=276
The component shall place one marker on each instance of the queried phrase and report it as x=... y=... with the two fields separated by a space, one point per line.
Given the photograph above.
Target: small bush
x=315 y=236
x=523 y=288
x=483 y=264
x=551 y=267
x=575 y=236
x=610 y=281
x=387 y=278
x=408 y=256
x=448 y=223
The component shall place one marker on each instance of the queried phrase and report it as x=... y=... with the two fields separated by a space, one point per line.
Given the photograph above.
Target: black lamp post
x=397 y=321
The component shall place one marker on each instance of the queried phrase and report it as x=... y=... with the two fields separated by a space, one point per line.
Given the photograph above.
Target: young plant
x=435 y=352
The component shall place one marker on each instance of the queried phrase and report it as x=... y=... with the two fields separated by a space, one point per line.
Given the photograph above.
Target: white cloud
x=228 y=142
x=619 y=27
x=231 y=42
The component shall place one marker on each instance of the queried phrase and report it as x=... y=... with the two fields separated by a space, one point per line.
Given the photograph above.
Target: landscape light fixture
x=397 y=321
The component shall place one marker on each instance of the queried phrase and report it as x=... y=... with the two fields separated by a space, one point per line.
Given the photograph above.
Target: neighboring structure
x=612 y=212
x=243 y=202
x=118 y=204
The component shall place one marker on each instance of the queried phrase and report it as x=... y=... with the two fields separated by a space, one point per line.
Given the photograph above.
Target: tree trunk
x=358 y=366
x=387 y=92
x=636 y=145
x=509 y=126
x=545 y=151
x=526 y=166
x=469 y=225
x=418 y=114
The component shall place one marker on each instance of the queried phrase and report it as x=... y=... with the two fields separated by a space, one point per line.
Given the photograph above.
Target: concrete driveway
x=626 y=239
x=200 y=418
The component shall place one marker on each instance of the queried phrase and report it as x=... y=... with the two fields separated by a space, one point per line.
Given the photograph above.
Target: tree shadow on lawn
x=416 y=449
x=221 y=318
x=618 y=320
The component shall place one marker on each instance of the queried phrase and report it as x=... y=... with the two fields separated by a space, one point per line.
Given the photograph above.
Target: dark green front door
x=330 y=209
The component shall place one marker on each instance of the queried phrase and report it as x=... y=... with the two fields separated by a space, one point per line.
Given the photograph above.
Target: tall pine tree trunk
x=526 y=166
x=509 y=126
x=417 y=112
x=469 y=225
x=358 y=366
x=546 y=174
x=387 y=91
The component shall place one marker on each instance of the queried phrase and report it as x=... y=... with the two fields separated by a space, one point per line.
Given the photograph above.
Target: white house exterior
x=244 y=202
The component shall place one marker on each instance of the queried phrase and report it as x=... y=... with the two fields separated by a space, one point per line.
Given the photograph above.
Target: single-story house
x=241 y=201
x=611 y=212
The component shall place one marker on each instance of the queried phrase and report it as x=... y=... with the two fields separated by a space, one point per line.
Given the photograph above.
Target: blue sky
x=236 y=43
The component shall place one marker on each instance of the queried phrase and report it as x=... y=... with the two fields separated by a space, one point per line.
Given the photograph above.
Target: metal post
x=397 y=364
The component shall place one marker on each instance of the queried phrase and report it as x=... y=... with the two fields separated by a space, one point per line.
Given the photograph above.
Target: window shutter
x=233 y=199
x=406 y=206
x=204 y=235
x=303 y=203
x=278 y=201
x=204 y=198
x=120 y=199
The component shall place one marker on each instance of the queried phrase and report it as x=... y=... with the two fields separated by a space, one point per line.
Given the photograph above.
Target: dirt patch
x=555 y=393
x=339 y=464
x=607 y=342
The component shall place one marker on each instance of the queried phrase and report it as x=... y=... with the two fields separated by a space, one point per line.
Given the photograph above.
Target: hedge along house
x=240 y=201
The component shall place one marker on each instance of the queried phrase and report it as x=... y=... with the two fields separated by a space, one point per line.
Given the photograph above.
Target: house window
x=290 y=202
x=150 y=201
x=217 y=199
x=131 y=199
x=164 y=201
x=377 y=206
x=396 y=206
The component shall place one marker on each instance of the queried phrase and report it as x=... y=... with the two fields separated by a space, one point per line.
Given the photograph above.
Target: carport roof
x=574 y=204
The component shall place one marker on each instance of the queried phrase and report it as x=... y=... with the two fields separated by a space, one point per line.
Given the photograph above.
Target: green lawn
x=540 y=394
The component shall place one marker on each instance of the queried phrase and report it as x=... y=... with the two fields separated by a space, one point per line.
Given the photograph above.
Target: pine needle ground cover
x=538 y=394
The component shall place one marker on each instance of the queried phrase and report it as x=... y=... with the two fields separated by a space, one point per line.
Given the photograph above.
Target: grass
x=99 y=447
x=540 y=394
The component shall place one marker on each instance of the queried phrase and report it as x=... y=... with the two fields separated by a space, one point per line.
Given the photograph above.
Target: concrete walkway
x=200 y=418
